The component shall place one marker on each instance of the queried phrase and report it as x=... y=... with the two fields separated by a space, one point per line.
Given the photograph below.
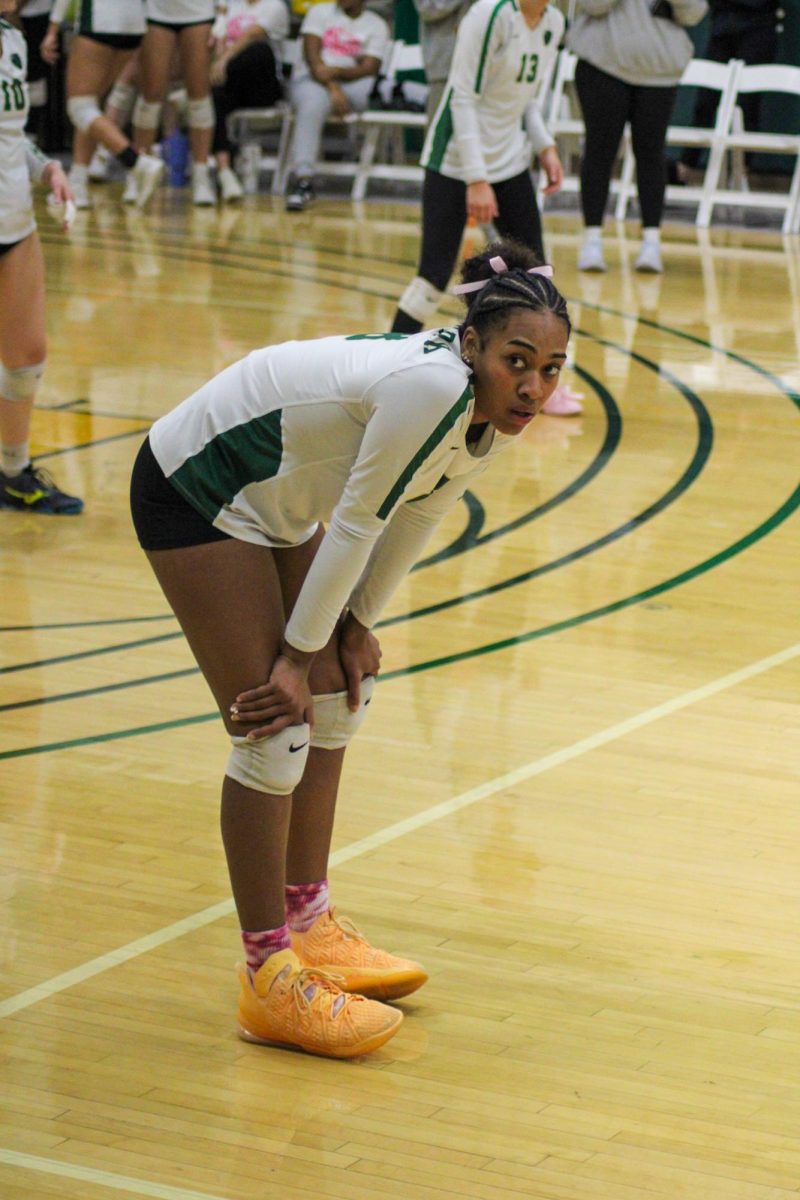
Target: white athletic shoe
x=203 y=193
x=229 y=186
x=147 y=174
x=80 y=190
x=98 y=167
x=649 y=260
x=591 y=255
x=130 y=193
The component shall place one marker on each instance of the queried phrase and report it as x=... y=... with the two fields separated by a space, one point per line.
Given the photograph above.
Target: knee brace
x=122 y=97
x=420 y=299
x=20 y=383
x=334 y=724
x=270 y=764
x=201 y=113
x=146 y=113
x=83 y=110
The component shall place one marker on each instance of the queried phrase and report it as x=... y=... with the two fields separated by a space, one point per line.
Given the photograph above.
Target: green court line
x=95 y=691
x=86 y=624
x=658 y=589
x=114 y=437
x=62 y=658
x=113 y=736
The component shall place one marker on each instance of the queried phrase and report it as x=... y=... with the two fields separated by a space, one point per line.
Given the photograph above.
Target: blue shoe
x=33 y=490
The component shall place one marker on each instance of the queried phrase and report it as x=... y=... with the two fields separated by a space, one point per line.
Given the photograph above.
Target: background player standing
x=22 y=320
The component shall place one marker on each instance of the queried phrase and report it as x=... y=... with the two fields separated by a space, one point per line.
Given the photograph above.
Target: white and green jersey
x=20 y=161
x=181 y=12
x=119 y=17
x=367 y=433
x=488 y=121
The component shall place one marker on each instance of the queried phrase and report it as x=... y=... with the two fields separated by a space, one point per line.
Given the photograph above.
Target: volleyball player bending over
x=378 y=435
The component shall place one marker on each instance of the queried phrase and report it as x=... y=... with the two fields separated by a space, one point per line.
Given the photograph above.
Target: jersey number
x=13 y=96
x=375 y=337
x=528 y=68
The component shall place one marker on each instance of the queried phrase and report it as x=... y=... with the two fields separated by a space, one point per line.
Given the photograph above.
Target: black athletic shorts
x=163 y=520
x=117 y=41
x=177 y=26
x=6 y=246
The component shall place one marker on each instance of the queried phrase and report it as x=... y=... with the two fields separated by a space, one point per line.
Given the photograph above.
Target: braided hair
x=488 y=308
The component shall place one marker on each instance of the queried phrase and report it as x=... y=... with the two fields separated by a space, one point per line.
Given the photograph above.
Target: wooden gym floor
x=575 y=800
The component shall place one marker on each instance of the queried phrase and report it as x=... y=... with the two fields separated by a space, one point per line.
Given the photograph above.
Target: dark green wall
x=779 y=112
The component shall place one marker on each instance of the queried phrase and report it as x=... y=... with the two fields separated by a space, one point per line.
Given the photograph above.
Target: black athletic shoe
x=299 y=194
x=35 y=491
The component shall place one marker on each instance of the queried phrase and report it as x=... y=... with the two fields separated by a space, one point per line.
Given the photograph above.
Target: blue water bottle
x=175 y=151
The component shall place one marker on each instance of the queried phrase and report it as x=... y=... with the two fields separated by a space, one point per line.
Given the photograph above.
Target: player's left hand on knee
x=360 y=655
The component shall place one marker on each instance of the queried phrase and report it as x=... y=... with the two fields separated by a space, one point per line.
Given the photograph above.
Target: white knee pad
x=37 y=93
x=146 y=113
x=270 y=764
x=201 y=113
x=122 y=97
x=420 y=299
x=83 y=110
x=334 y=724
x=20 y=383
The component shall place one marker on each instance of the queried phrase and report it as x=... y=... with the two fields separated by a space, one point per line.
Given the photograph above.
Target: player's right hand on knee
x=285 y=700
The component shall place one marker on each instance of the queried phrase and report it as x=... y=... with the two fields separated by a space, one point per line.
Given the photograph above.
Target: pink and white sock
x=260 y=945
x=305 y=902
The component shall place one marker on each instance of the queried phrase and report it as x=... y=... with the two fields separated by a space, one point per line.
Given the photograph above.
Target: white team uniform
x=118 y=17
x=20 y=161
x=488 y=122
x=180 y=12
x=366 y=432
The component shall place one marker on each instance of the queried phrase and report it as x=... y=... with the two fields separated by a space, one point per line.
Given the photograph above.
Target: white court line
x=391 y=833
x=121 y=1183
x=124 y=1183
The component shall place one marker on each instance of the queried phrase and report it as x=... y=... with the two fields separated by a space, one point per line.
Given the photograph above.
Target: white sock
x=78 y=173
x=14 y=459
x=593 y=233
x=652 y=234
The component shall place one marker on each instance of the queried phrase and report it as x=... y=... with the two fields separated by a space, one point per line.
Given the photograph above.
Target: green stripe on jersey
x=441 y=136
x=486 y=39
x=85 y=17
x=445 y=425
x=245 y=454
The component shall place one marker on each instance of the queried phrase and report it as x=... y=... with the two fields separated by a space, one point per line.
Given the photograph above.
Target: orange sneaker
x=286 y=1004
x=334 y=944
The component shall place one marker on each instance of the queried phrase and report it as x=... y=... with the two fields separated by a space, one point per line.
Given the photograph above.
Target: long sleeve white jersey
x=367 y=433
x=488 y=121
x=20 y=161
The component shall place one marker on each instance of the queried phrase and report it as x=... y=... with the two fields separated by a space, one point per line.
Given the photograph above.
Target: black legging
x=251 y=82
x=607 y=103
x=444 y=215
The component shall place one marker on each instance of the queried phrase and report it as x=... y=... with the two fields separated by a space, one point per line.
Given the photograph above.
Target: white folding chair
x=384 y=129
x=252 y=128
x=770 y=78
x=700 y=73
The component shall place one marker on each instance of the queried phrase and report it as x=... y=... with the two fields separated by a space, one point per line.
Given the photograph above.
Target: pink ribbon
x=499 y=267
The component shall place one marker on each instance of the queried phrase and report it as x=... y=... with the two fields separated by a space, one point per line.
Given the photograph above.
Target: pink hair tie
x=499 y=267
